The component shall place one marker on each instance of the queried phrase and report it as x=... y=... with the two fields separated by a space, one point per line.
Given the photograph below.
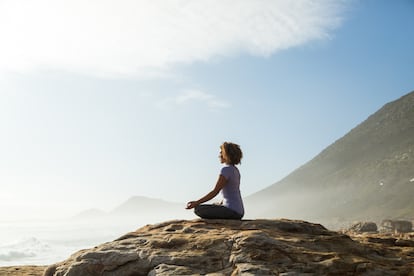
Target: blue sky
x=104 y=100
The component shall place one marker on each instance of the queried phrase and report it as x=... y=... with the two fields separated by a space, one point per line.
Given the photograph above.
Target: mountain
x=366 y=175
x=139 y=208
x=139 y=205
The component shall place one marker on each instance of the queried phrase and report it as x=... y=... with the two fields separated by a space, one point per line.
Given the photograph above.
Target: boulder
x=231 y=247
x=397 y=226
x=363 y=227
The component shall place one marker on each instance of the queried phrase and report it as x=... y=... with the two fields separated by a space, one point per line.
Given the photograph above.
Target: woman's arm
x=219 y=185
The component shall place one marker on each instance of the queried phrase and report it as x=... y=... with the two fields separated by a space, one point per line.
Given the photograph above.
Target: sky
x=104 y=100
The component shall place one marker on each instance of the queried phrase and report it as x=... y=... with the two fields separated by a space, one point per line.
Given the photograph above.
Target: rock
x=25 y=270
x=231 y=247
x=397 y=226
x=362 y=227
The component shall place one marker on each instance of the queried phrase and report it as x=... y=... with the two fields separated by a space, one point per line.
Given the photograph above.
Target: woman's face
x=222 y=156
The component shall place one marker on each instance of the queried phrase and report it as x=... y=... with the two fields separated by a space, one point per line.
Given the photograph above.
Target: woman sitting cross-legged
x=228 y=183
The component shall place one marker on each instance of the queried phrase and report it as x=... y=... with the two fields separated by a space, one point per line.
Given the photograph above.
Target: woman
x=229 y=183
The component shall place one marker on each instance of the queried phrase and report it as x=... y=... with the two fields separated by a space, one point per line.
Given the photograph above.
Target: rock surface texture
x=363 y=227
x=248 y=247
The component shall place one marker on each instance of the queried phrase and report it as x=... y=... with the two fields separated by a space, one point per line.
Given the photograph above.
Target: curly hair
x=231 y=153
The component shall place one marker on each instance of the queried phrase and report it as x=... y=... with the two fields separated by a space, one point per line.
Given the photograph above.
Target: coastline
x=24 y=270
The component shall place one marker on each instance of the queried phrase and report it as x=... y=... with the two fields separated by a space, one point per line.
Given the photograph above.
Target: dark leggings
x=211 y=211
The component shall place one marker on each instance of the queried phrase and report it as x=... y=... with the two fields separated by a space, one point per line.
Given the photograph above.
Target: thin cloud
x=147 y=37
x=189 y=97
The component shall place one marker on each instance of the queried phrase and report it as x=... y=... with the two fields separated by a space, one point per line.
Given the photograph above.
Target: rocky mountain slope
x=230 y=247
x=366 y=175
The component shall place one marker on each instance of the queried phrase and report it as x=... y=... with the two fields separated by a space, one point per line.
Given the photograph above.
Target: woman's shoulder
x=229 y=168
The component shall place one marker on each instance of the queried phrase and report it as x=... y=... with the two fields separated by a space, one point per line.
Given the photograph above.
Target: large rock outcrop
x=249 y=247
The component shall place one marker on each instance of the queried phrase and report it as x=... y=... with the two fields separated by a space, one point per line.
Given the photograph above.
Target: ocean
x=44 y=242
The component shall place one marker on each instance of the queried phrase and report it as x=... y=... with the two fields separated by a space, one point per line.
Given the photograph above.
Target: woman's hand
x=192 y=204
x=219 y=185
